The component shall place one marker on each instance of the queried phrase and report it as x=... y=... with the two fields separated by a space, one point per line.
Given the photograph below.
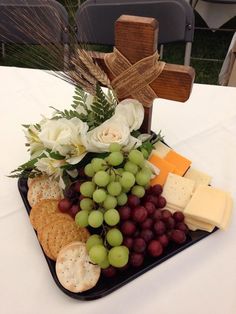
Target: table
x=199 y=280
x=214 y=14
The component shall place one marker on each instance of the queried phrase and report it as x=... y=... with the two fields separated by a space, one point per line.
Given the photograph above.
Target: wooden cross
x=136 y=38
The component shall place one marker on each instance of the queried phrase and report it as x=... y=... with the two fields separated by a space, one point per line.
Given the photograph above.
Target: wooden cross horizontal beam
x=136 y=38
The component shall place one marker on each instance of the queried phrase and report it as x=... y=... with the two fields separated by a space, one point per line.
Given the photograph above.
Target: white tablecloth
x=200 y=280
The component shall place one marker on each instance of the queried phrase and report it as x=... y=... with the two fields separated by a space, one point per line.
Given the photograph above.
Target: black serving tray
x=108 y=285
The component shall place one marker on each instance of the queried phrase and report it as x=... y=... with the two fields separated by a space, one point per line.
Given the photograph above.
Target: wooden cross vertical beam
x=136 y=38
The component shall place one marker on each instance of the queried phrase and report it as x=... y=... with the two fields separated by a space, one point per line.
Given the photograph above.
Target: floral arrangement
x=59 y=143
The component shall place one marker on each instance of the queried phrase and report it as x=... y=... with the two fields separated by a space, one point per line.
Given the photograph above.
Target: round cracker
x=43 y=237
x=74 y=268
x=43 y=188
x=63 y=233
x=49 y=218
x=38 y=212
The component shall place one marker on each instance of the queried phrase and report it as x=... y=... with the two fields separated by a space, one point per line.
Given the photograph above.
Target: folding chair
x=35 y=22
x=95 y=20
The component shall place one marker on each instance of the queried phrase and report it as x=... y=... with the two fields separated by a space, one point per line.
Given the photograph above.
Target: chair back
x=95 y=19
x=33 y=22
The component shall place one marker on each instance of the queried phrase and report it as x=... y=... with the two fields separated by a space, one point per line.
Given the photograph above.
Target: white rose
x=68 y=137
x=114 y=130
x=131 y=110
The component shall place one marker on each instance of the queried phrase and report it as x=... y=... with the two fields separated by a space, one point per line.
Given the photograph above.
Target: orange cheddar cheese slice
x=181 y=163
x=164 y=166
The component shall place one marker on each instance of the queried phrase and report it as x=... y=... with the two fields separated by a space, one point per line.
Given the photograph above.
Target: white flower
x=33 y=141
x=67 y=137
x=51 y=167
x=131 y=110
x=114 y=130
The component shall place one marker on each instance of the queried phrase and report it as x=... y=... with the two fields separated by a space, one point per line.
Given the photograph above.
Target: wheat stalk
x=93 y=67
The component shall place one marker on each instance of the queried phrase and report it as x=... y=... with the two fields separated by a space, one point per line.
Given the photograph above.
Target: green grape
x=86 y=204
x=115 y=158
x=138 y=190
x=125 y=190
x=127 y=179
x=119 y=171
x=145 y=153
x=110 y=202
x=114 y=237
x=98 y=164
x=99 y=195
x=142 y=177
x=93 y=240
x=114 y=147
x=122 y=199
x=98 y=253
x=89 y=171
x=112 y=217
x=114 y=188
x=104 y=264
x=131 y=167
x=118 y=256
x=87 y=188
x=95 y=218
x=81 y=218
x=136 y=157
x=101 y=178
x=112 y=176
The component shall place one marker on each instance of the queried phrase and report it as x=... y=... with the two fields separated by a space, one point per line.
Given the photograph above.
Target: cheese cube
x=181 y=163
x=161 y=149
x=199 y=177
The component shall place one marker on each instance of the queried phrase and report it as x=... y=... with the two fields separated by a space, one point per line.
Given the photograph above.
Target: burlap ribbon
x=134 y=79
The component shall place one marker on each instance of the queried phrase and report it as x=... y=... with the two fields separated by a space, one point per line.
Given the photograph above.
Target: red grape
x=77 y=186
x=157 y=215
x=133 y=201
x=157 y=189
x=136 y=259
x=64 y=205
x=178 y=216
x=73 y=210
x=166 y=214
x=147 y=224
x=139 y=245
x=161 y=202
x=153 y=199
x=178 y=236
x=139 y=214
x=182 y=226
x=170 y=223
x=81 y=173
x=159 y=227
x=81 y=197
x=128 y=242
x=164 y=240
x=155 y=248
x=150 y=207
x=125 y=212
x=147 y=235
x=128 y=227
x=109 y=271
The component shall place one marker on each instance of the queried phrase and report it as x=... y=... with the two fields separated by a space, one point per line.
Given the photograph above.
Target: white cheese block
x=199 y=177
x=198 y=224
x=178 y=191
x=227 y=212
x=207 y=204
x=161 y=149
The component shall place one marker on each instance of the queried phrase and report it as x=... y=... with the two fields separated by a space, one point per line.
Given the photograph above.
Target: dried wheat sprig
x=82 y=70
x=78 y=80
x=94 y=68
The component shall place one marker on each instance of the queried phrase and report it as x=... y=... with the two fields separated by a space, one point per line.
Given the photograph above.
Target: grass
x=207 y=44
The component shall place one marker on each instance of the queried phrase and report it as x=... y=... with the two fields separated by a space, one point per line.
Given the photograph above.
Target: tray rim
x=90 y=295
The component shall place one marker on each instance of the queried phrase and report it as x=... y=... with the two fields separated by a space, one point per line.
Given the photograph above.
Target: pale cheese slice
x=173 y=207
x=199 y=177
x=161 y=149
x=227 y=212
x=207 y=204
x=178 y=190
x=198 y=224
